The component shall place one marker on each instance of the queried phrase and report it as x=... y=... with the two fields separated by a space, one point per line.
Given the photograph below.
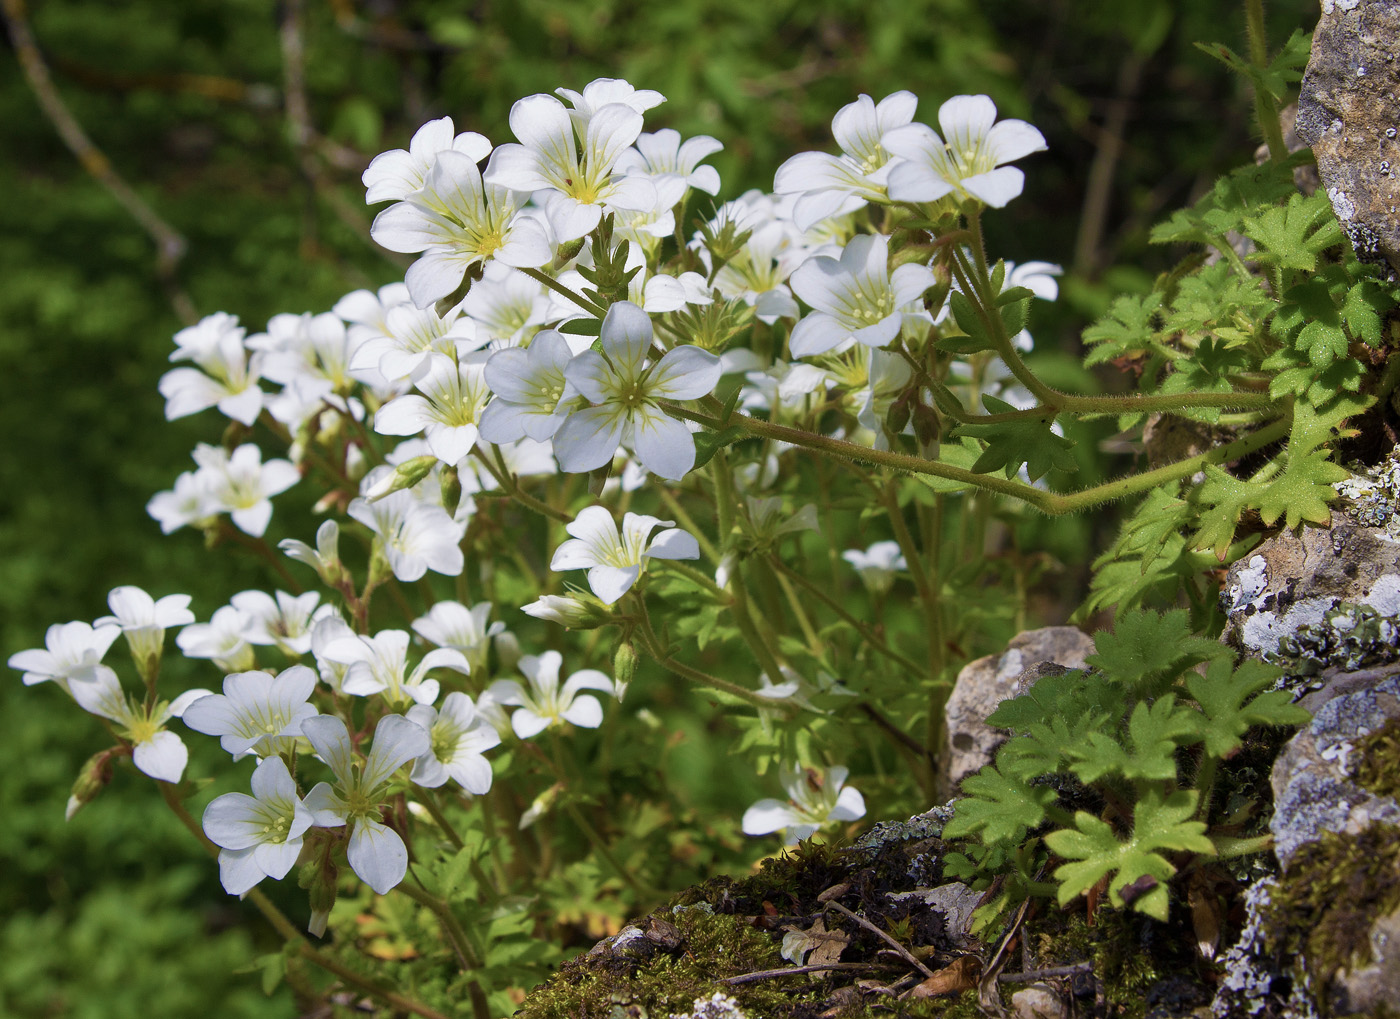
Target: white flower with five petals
x=260 y=835
x=155 y=750
x=614 y=561
x=967 y=158
x=459 y=735
x=378 y=664
x=72 y=652
x=816 y=799
x=546 y=703
x=856 y=298
x=625 y=390
x=827 y=183
x=257 y=713
x=376 y=852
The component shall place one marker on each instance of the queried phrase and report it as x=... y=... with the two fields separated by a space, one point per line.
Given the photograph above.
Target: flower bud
x=92 y=779
x=451 y=485
x=319 y=877
x=624 y=668
x=405 y=475
x=572 y=611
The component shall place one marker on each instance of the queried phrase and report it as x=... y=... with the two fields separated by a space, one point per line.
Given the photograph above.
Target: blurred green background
x=115 y=914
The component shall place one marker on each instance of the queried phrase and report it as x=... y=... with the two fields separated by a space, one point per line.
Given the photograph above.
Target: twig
x=1049 y=971
x=170 y=245
x=903 y=952
x=773 y=974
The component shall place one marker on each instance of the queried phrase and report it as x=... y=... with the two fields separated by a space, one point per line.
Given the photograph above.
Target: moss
x=711 y=948
x=1378 y=757
x=1333 y=891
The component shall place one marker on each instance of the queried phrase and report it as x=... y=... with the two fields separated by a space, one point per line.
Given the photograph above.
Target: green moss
x=1333 y=891
x=1378 y=755
x=711 y=948
x=1131 y=953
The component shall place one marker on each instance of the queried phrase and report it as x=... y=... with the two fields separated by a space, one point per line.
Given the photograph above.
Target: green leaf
x=1292 y=236
x=1227 y=697
x=1127 y=329
x=998 y=808
x=583 y=327
x=1146 y=652
x=1223 y=500
x=965 y=314
x=1158 y=825
x=1027 y=440
x=707 y=444
x=1154 y=732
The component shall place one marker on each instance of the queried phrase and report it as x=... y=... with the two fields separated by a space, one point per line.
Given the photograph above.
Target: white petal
x=685 y=373
x=674 y=543
x=610 y=583
x=997 y=187
x=767 y=816
x=397 y=740
x=663 y=445
x=588 y=439
x=377 y=854
x=163 y=756
x=585 y=712
x=238 y=871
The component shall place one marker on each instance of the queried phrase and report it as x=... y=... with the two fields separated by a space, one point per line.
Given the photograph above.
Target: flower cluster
x=556 y=323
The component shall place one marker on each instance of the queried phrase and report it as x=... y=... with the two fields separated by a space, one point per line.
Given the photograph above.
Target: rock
x=969 y=742
x=1039 y=1001
x=1307 y=600
x=1366 y=989
x=1314 y=784
x=1348 y=112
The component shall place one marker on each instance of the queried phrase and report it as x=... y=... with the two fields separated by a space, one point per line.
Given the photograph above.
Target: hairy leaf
x=1026 y=441
x=1158 y=825
x=1146 y=652
x=998 y=808
x=1231 y=702
x=1154 y=733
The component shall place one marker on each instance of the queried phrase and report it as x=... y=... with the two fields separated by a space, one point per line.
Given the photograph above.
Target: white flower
x=285 y=620
x=399 y=350
x=457 y=220
x=155 y=750
x=257 y=713
x=509 y=305
x=448 y=412
x=260 y=835
x=967 y=158
x=816 y=800
x=71 y=652
x=416 y=536
x=614 y=561
x=242 y=485
x=626 y=391
x=877 y=565
x=324 y=633
x=399 y=174
x=451 y=624
x=324 y=558
x=226 y=377
x=376 y=853
x=601 y=91
x=377 y=664
x=223 y=639
x=187 y=503
x=143 y=620
x=826 y=183
x=857 y=298
x=458 y=735
x=546 y=704
x=673 y=165
x=530 y=390
x=577 y=170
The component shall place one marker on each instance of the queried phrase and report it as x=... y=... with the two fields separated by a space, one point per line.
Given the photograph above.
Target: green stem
x=1050 y=503
x=871 y=637
x=674 y=507
x=1265 y=109
x=466 y=954
x=512 y=489
x=434 y=809
x=652 y=645
x=565 y=292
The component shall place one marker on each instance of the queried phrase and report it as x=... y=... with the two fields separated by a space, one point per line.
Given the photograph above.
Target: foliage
x=593 y=825
x=1122 y=731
